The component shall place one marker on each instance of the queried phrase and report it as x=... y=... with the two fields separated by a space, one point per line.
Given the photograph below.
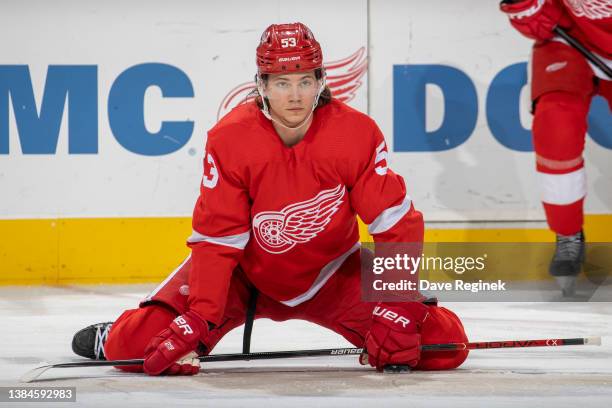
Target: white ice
x=37 y=324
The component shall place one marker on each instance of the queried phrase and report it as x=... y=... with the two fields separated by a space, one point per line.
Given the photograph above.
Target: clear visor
x=290 y=87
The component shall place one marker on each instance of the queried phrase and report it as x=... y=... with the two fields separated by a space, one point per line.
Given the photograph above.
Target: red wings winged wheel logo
x=279 y=231
x=592 y=9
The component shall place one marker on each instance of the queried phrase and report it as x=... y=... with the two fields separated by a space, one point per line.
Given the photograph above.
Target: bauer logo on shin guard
x=392 y=316
x=182 y=323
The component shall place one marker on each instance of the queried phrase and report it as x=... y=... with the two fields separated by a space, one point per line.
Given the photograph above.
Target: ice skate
x=89 y=342
x=567 y=261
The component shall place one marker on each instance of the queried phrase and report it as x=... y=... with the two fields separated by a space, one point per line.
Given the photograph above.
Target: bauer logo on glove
x=395 y=335
x=171 y=352
x=390 y=315
x=180 y=322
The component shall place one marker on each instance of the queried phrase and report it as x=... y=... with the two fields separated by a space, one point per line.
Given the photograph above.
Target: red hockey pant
x=337 y=306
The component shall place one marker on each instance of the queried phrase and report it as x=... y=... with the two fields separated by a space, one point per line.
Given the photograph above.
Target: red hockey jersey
x=287 y=215
x=588 y=21
x=592 y=23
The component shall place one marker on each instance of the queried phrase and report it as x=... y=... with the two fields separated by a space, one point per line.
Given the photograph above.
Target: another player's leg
x=562 y=90
x=604 y=88
x=559 y=129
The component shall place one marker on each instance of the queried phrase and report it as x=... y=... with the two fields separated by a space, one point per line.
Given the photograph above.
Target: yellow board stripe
x=597 y=228
x=131 y=250
x=91 y=250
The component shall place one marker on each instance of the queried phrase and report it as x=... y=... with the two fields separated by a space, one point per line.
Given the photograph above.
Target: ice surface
x=37 y=324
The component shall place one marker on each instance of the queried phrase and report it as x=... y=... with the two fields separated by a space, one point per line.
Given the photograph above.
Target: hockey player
x=275 y=233
x=563 y=83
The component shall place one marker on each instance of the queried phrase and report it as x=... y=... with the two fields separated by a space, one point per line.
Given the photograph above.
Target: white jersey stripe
x=562 y=189
x=237 y=241
x=389 y=217
x=326 y=273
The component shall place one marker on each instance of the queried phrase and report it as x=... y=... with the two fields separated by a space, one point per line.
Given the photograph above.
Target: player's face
x=291 y=96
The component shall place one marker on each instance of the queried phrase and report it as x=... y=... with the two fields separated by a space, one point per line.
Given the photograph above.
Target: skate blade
x=567 y=285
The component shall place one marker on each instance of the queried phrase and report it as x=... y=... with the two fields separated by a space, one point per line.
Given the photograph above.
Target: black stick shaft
x=269 y=355
x=584 y=51
x=264 y=355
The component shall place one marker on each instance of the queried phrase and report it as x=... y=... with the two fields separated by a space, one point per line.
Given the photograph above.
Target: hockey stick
x=267 y=355
x=587 y=54
x=264 y=355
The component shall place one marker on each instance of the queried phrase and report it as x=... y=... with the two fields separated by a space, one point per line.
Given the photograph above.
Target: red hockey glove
x=171 y=352
x=533 y=18
x=394 y=337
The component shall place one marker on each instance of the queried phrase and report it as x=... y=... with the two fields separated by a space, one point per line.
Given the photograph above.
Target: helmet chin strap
x=266 y=109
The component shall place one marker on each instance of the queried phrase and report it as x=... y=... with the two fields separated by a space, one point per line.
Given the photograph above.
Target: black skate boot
x=567 y=261
x=89 y=342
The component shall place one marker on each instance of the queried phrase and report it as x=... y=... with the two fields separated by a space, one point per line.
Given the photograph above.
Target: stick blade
x=33 y=374
x=593 y=340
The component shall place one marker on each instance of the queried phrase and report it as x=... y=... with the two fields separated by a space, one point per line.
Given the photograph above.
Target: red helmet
x=288 y=48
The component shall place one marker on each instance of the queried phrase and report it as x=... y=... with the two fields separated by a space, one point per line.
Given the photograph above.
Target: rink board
x=129 y=250
x=101 y=189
